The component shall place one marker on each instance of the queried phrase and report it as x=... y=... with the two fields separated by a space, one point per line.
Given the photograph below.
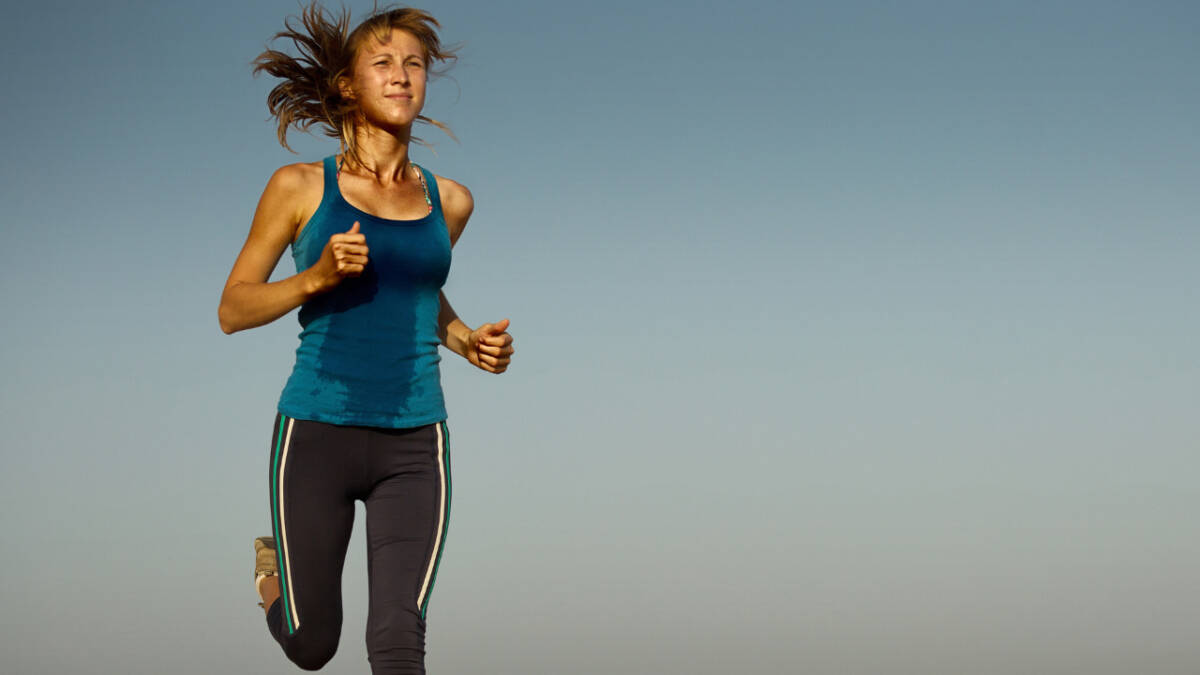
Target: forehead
x=397 y=42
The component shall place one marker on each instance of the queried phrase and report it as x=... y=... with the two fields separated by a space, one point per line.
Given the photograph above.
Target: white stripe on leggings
x=287 y=558
x=437 y=538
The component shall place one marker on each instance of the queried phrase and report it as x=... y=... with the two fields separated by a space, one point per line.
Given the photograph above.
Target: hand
x=345 y=255
x=490 y=347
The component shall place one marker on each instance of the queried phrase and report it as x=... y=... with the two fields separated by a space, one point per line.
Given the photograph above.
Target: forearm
x=246 y=304
x=451 y=330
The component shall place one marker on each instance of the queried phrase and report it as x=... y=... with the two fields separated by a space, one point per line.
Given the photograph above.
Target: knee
x=312 y=654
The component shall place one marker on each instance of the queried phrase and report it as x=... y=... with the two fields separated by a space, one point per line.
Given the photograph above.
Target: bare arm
x=488 y=347
x=451 y=330
x=249 y=300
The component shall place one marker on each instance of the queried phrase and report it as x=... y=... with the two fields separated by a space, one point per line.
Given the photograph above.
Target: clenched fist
x=345 y=255
x=490 y=346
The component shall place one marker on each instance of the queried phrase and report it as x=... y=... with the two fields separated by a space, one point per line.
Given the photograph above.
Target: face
x=388 y=80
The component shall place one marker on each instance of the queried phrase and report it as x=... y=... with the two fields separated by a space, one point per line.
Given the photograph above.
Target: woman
x=362 y=415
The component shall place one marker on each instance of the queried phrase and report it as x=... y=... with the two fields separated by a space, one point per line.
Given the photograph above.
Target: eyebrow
x=388 y=55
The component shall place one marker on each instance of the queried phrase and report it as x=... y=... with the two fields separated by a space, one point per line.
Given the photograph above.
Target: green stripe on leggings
x=275 y=507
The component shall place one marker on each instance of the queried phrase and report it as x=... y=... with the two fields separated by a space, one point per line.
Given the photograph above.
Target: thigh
x=408 y=511
x=312 y=513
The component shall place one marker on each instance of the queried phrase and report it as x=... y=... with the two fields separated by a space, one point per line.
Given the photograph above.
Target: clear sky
x=853 y=338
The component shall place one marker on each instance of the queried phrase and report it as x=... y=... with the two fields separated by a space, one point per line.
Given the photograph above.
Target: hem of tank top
x=362 y=420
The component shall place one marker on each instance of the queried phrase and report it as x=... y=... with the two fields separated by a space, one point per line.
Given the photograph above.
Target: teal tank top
x=368 y=351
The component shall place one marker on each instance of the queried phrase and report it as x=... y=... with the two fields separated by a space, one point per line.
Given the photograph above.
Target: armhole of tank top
x=326 y=195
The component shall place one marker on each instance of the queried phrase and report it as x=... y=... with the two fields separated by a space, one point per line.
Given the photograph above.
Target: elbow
x=227 y=314
x=228 y=327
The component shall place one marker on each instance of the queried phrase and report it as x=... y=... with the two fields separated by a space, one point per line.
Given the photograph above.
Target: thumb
x=353 y=228
x=498 y=327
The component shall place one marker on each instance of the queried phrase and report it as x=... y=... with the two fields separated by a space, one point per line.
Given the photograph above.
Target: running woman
x=362 y=415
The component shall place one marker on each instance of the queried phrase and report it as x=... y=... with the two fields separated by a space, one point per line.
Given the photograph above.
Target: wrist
x=311 y=283
x=459 y=335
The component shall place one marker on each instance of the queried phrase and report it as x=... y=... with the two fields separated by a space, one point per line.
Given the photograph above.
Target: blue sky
x=851 y=338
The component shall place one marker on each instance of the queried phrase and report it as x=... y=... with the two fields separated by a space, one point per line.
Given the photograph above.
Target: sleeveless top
x=368 y=353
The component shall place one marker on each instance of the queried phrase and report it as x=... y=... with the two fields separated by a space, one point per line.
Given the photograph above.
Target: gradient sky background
x=852 y=339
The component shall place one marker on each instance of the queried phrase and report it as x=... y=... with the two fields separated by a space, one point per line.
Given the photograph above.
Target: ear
x=344 y=89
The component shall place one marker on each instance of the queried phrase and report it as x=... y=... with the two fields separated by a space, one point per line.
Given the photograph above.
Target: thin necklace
x=424 y=187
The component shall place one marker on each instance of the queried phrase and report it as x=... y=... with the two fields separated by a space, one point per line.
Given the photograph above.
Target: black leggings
x=317 y=472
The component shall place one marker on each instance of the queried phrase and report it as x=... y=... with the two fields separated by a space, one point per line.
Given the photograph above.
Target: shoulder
x=293 y=193
x=457 y=205
x=295 y=179
x=457 y=201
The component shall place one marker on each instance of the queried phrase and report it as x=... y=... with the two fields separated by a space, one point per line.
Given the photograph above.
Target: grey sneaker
x=264 y=557
x=265 y=564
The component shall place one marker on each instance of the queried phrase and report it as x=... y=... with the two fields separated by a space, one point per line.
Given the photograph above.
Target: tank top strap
x=331 y=186
x=435 y=198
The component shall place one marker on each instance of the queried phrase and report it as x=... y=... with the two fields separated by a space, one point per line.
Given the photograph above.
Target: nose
x=400 y=75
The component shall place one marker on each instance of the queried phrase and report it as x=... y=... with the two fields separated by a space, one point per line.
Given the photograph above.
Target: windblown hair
x=309 y=94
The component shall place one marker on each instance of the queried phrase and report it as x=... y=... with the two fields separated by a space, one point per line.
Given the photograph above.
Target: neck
x=382 y=153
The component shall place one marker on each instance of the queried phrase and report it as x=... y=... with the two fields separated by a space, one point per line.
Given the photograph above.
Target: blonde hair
x=309 y=94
